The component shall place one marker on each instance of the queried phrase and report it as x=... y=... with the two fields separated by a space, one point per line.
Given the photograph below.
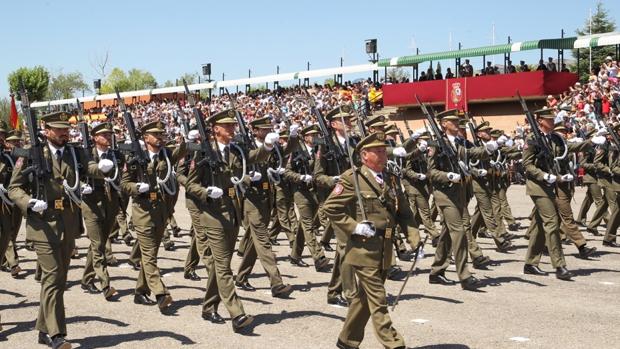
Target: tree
x=99 y=63
x=36 y=81
x=134 y=79
x=600 y=23
x=191 y=78
x=329 y=82
x=168 y=83
x=5 y=109
x=66 y=85
x=397 y=74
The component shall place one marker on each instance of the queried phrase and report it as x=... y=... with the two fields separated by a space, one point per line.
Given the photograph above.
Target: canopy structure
x=316 y=73
x=595 y=40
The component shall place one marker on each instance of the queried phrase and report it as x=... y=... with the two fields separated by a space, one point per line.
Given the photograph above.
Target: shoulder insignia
x=598 y=151
x=431 y=151
x=19 y=162
x=526 y=145
x=181 y=162
x=338 y=189
x=192 y=165
x=318 y=153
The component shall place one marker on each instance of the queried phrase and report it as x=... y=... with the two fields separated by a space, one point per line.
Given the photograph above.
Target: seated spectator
x=523 y=67
x=449 y=74
x=511 y=68
x=541 y=66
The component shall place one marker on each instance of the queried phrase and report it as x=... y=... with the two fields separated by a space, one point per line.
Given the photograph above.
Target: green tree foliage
x=66 y=85
x=134 y=79
x=36 y=81
x=5 y=109
x=601 y=23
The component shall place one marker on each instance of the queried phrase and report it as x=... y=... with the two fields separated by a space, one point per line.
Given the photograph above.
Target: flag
x=14 y=118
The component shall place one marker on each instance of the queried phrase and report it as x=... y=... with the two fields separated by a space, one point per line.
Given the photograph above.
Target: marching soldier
x=594 y=193
x=256 y=214
x=100 y=209
x=214 y=205
x=449 y=191
x=52 y=220
x=11 y=215
x=299 y=173
x=342 y=286
x=609 y=239
x=150 y=211
x=369 y=241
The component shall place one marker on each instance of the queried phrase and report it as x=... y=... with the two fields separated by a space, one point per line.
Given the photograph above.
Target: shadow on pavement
x=112 y=340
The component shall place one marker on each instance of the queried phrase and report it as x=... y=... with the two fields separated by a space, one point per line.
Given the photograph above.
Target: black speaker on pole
x=206 y=69
x=97 y=84
x=371 y=46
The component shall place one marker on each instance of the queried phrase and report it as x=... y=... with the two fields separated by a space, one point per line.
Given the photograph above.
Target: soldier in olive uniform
x=327 y=170
x=541 y=187
x=52 y=219
x=256 y=214
x=12 y=225
x=449 y=190
x=613 y=162
x=100 y=209
x=149 y=211
x=594 y=193
x=299 y=173
x=214 y=204
x=369 y=225
x=604 y=174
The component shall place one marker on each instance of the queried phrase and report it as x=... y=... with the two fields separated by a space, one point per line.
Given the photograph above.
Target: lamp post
x=206 y=71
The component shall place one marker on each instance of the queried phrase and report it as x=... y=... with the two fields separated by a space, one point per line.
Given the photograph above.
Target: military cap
x=14 y=135
x=285 y=134
x=117 y=129
x=171 y=144
x=224 y=117
x=376 y=139
x=312 y=129
x=496 y=133
x=545 y=113
x=58 y=119
x=559 y=127
x=590 y=133
x=391 y=130
x=452 y=114
x=264 y=122
x=463 y=124
x=376 y=121
x=616 y=127
x=153 y=127
x=340 y=111
x=484 y=126
x=3 y=127
x=103 y=127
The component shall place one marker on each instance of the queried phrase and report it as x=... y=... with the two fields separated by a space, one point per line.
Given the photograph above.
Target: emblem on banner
x=457 y=93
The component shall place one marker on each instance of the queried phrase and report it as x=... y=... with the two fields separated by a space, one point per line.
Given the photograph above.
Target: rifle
x=138 y=155
x=440 y=137
x=37 y=165
x=614 y=136
x=246 y=136
x=409 y=130
x=541 y=140
x=87 y=144
x=471 y=124
x=415 y=259
x=209 y=155
x=333 y=150
x=356 y=181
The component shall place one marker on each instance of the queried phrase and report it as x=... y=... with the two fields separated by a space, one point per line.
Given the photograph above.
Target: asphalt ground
x=513 y=310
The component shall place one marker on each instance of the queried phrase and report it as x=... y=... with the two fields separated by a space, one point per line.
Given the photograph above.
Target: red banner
x=14 y=117
x=456 y=94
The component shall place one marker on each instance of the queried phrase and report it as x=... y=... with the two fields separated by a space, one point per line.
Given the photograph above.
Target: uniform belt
x=66 y=203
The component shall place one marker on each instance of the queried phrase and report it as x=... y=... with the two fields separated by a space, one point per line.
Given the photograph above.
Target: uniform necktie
x=58 y=154
x=226 y=154
x=379 y=178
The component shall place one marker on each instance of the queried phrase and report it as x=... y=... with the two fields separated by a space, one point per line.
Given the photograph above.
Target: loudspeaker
x=97 y=84
x=371 y=46
x=206 y=69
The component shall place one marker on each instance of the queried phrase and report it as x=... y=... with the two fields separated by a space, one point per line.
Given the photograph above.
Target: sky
x=170 y=38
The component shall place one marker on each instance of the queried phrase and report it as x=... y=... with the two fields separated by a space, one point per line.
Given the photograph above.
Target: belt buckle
x=153 y=196
x=59 y=204
x=388 y=233
x=265 y=185
x=231 y=192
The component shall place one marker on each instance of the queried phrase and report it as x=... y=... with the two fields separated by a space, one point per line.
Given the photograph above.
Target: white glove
x=86 y=189
x=502 y=140
x=293 y=130
x=454 y=177
x=482 y=172
x=399 y=152
x=491 y=146
x=306 y=178
x=602 y=132
x=214 y=192
x=415 y=135
x=575 y=140
x=336 y=179
x=364 y=229
x=255 y=176
x=271 y=139
x=143 y=187
x=422 y=145
x=193 y=135
x=550 y=178
x=37 y=205
x=567 y=178
x=598 y=140
x=510 y=143
x=105 y=165
x=420 y=176
x=281 y=170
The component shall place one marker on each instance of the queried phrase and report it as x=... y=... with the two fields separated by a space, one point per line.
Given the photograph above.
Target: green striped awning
x=552 y=44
